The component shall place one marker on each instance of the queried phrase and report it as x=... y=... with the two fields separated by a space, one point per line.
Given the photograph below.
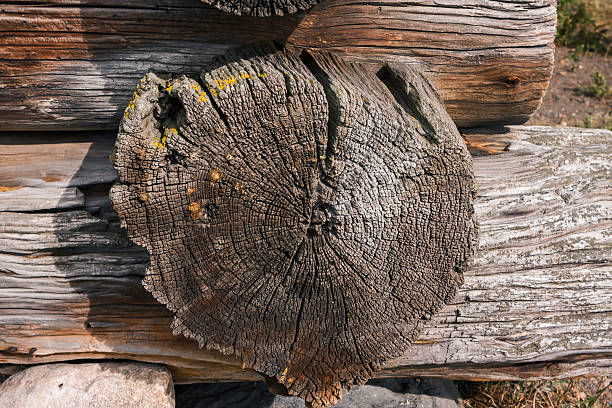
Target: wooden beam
x=69 y=64
x=536 y=302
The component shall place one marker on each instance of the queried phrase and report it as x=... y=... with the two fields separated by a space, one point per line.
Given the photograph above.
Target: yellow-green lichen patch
x=161 y=141
x=223 y=83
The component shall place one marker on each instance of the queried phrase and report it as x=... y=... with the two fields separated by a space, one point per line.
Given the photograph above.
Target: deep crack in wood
x=301 y=213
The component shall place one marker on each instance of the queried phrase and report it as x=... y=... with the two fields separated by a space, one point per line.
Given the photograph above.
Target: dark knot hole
x=512 y=81
x=324 y=218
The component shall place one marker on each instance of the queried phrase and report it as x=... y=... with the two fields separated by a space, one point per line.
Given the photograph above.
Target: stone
x=89 y=385
x=377 y=393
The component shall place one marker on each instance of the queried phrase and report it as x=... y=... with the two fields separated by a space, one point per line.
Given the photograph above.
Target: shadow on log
x=302 y=214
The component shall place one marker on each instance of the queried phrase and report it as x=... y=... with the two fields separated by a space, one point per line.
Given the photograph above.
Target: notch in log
x=300 y=213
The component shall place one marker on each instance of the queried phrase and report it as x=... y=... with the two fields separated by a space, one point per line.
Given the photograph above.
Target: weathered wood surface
x=262 y=8
x=536 y=304
x=69 y=64
x=301 y=213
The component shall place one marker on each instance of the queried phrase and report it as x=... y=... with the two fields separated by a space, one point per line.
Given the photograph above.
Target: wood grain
x=262 y=8
x=70 y=64
x=302 y=214
x=536 y=303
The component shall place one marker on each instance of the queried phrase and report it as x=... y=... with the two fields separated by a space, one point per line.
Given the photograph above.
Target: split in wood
x=352 y=226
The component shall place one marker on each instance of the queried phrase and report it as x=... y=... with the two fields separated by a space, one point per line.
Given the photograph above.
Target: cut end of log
x=262 y=8
x=301 y=213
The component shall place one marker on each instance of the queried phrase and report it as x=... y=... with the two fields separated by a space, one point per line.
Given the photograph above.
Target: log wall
x=73 y=64
x=537 y=302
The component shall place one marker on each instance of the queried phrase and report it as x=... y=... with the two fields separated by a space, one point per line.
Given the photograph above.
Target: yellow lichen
x=132 y=105
x=161 y=141
x=232 y=80
x=211 y=89
x=220 y=84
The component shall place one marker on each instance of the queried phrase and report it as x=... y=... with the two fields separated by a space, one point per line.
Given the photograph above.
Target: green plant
x=599 y=88
x=590 y=401
x=588 y=121
x=576 y=27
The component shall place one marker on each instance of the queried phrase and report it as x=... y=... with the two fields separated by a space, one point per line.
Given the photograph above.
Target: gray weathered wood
x=302 y=214
x=536 y=304
x=69 y=64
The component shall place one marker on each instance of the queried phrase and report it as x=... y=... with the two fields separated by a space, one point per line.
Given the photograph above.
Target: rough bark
x=301 y=213
x=69 y=64
x=262 y=8
x=535 y=303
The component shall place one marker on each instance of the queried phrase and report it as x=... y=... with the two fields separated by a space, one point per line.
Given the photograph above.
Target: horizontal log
x=70 y=64
x=537 y=302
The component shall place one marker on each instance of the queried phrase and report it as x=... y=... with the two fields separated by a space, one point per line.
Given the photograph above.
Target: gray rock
x=89 y=385
x=378 y=393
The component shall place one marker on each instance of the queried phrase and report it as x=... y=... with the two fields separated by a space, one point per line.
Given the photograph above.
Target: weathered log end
x=262 y=8
x=301 y=213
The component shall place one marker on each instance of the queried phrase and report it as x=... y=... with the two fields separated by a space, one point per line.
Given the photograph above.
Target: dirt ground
x=566 y=103
x=593 y=392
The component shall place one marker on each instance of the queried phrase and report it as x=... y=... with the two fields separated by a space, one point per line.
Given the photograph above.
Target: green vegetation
x=589 y=402
x=599 y=89
x=575 y=53
x=596 y=121
x=578 y=28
